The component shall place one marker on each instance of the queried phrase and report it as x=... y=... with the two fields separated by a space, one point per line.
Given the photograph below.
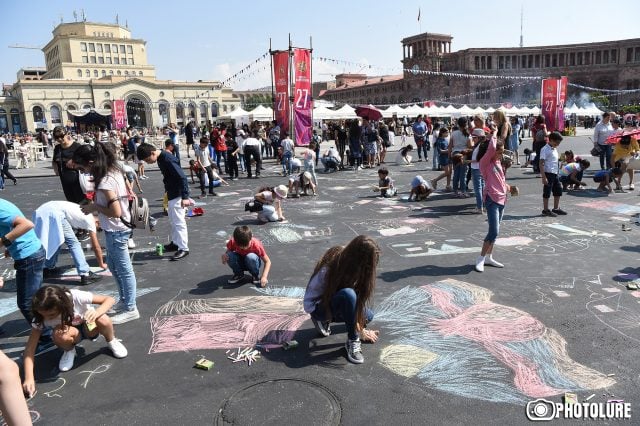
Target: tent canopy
x=261 y=113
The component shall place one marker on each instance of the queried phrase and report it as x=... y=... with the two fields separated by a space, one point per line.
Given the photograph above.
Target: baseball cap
x=478 y=132
x=240 y=132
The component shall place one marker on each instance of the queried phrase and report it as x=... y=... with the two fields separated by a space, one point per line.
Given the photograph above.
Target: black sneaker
x=559 y=212
x=548 y=213
x=90 y=279
x=50 y=272
x=170 y=247
x=235 y=279
x=322 y=327
x=213 y=193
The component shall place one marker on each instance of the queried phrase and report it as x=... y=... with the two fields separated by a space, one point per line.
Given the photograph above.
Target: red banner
x=119 y=115
x=281 y=79
x=302 y=103
x=550 y=102
x=562 y=98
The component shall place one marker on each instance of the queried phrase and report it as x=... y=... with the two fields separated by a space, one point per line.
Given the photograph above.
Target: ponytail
x=100 y=158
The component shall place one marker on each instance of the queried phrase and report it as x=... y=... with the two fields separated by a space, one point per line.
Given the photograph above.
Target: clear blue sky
x=212 y=40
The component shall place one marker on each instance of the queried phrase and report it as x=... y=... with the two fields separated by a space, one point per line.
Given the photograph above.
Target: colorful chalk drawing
x=451 y=337
x=430 y=248
x=612 y=306
x=397 y=226
x=543 y=238
x=611 y=206
x=225 y=323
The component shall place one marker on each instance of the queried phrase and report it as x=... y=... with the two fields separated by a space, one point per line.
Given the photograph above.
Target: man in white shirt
x=55 y=222
x=204 y=160
x=331 y=160
x=549 y=168
x=600 y=134
x=251 y=148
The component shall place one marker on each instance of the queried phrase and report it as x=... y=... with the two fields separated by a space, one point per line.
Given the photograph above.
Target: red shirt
x=255 y=246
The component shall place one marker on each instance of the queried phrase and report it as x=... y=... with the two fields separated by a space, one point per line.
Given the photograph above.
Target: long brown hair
x=354 y=267
x=52 y=297
x=327 y=257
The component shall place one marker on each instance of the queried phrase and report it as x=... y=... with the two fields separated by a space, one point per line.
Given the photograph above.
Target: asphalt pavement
x=456 y=346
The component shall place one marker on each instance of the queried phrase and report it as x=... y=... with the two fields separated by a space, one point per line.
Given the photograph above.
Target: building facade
x=89 y=65
x=431 y=71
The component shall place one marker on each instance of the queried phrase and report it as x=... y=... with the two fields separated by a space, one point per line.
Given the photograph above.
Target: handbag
x=596 y=151
x=253 y=206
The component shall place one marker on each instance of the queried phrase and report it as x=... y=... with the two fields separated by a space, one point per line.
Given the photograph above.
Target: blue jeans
x=268 y=214
x=238 y=263
x=120 y=266
x=28 y=280
x=478 y=186
x=605 y=154
x=435 y=160
x=286 y=162
x=460 y=177
x=75 y=249
x=422 y=149
x=343 y=309
x=494 y=216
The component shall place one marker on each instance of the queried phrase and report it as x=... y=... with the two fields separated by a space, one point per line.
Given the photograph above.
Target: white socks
x=487 y=260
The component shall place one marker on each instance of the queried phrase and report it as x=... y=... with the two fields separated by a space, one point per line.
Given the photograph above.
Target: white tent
x=479 y=111
x=413 y=111
x=573 y=109
x=450 y=110
x=323 y=113
x=261 y=113
x=433 y=111
x=237 y=113
x=490 y=110
x=465 y=110
x=393 y=109
x=345 y=111
x=591 y=110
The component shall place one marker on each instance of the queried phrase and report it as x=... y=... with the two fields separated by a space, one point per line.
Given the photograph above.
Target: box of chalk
x=204 y=364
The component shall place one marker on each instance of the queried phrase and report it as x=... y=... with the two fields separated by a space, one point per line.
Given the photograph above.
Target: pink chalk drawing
x=611 y=206
x=450 y=336
x=513 y=241
x=225 y=323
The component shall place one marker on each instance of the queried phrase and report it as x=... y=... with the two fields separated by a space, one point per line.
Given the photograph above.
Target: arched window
x=192 y=111
x=119 y=73
x=164 y=113
x=110 y=72
x=214 y=109
x=104 y=73
x=79 y=73
x=126 y=73
x=87 y=73
x=140 y=73
x=16 y=127
x=4 y=123
x=38 y=114
x=86 y=106
x=95 y=73
x=54 y=110
x=224 y=108
x=203 y=111
x=179 y=112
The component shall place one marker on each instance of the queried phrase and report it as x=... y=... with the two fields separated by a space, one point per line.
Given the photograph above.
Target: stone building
x=433 y=72
x=89 y=65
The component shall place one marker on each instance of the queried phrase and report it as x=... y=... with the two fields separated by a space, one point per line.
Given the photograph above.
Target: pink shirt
x=495 y=185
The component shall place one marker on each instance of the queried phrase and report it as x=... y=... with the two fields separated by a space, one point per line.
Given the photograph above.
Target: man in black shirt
x=69 y=177
x=177 y=188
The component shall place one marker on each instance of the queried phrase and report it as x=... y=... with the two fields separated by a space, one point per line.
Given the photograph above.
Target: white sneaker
x=130 y=243
x=66 y=362
x=492 y=262
x=125 y=316
x=118 y=349
x=480 y=263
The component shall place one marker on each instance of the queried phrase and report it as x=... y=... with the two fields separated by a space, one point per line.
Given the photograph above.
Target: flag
x=418 y=14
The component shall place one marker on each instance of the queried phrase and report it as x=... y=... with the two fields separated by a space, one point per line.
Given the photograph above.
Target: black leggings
x=5 y=170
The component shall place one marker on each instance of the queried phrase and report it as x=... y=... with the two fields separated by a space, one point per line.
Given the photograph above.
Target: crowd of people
x=98 y=185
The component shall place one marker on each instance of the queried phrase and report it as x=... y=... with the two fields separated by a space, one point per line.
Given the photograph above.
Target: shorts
x=443 y=160
x=553 y=186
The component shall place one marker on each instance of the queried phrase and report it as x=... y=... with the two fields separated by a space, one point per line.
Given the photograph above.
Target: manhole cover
x=281 y=401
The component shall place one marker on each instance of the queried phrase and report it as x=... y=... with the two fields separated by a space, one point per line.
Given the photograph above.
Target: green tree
x=599 y=99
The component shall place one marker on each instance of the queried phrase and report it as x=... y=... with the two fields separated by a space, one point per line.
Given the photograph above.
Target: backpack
x=140 y=217
x=540 y=135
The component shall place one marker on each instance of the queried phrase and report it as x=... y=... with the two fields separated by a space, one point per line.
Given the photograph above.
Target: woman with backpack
x=540 y=134
x=111 y=202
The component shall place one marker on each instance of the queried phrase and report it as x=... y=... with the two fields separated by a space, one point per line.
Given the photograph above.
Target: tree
x=599 y=99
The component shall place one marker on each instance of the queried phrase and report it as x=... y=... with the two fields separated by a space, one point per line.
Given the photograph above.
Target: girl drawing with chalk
x=71 y=316
x=340 y=289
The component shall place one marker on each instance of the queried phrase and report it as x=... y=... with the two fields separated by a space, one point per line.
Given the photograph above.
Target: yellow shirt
x=621 y=151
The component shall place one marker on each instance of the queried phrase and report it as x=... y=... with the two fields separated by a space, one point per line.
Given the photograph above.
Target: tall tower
x=521 y=18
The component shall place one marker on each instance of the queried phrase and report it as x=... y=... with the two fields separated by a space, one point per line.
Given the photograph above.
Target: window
x=123 y=61
x=547 y=61
x=79 y=73
x=99 y=47
x=140 y=73
x=104 y=73
x=83 y=47
x=122 y=50
x=130 y=49
x=126 y=73
x=598 y=57
x=579 y=58
x=110 y=72
x=87 y=73
x=507 y=64
x=572 y=58
x=489 y=62
x=116 y=61
x=605 y=57
x=107 y=48
x=100 y=60
x=629 y=54
x=530 y=61
x=483 y=62
x=561 y=59
x=38 y=114
x=92 y=59
x=108 y=60
x=614 y=55
x=54 y=110
x=554 y=60
x=119 y=73
x=500 y=62
x=537 y=61
x=114 y=48
x=476 y=63
x=92 y=47
x=514 y=62
x=95 y=73
x=85 y=59
x=637 y=55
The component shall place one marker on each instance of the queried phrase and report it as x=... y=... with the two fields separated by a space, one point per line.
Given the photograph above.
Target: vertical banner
x=562 y=97
x=119 y=115
x=302 y=104
x=550 y=102
x=281 y=79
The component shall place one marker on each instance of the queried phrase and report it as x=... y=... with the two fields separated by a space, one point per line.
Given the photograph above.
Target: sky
x=210 y=40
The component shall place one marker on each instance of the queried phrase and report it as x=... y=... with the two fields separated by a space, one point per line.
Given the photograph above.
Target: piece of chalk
x=204 y=364
x=91 y=326
x=611 y=375
x=590 y=396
